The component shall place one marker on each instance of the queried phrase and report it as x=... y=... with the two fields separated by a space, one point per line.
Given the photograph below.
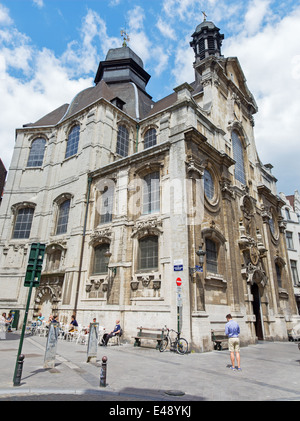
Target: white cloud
x=81 y=57
x=5 y=19
x=165 y=29
x=257 y=11
x=39 y=3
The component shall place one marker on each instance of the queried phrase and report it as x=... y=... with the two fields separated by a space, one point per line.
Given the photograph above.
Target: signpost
x=49 y=361
x=93 y=342
x=32 y=279
x=178 y=301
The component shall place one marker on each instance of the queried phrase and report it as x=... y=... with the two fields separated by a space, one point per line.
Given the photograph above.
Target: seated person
x=107 y=336
x=73 y=324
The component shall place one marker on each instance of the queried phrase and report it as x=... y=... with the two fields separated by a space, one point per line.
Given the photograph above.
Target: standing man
x=232 y=330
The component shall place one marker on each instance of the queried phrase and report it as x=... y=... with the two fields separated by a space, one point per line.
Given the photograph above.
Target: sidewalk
x=270 y=371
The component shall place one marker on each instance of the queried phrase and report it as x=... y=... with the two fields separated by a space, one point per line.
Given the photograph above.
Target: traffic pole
x=15 y=380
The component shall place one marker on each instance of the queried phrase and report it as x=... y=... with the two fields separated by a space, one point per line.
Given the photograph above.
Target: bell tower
x=207 y=40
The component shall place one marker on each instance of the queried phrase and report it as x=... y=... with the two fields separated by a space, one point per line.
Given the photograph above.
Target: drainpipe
x=82 y=243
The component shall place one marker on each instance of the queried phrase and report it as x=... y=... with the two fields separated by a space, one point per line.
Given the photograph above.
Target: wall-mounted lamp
x=199 y=268
x=107 y=256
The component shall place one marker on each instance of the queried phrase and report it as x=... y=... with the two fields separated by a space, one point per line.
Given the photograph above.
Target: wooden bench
x=149 y=334
x=219 y=339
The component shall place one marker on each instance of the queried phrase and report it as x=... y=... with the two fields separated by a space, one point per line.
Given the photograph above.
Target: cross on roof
x=204 y=16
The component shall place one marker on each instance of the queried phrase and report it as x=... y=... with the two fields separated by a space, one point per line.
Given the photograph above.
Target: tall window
x=211 y=256
x=73 y=140
x=278 y=274
x=100 y=261
x=148 y=253
x=209 y=187
x=107 y=205
x=150 y=138
x=122 y=141
x=289 y=240
x=287 y=214
x=151 y=193
x=63 y=217
x=294 y=272
x=23 y=223
x=238 y=155
x=36 y=155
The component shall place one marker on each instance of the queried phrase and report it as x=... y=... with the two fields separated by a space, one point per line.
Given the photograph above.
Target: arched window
x=150 y=138
x=211 y=256
x=100 y=261
x=122 y=141
x=23 y=223
x=63 y=217
x=36 y=155
x=238 y=156
x=209 y=187
x=73 y=140
x=148 y=253
x=151 y=193
x=107 y=205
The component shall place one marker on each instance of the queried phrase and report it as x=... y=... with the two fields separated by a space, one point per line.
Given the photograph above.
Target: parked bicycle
x=180 y=345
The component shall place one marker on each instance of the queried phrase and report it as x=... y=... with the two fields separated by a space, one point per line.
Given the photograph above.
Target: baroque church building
x=127 y=192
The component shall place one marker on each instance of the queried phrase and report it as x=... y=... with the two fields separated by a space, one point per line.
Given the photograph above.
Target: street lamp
x=199 y=268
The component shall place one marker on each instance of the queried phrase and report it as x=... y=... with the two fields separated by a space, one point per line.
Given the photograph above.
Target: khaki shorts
x=234 y=344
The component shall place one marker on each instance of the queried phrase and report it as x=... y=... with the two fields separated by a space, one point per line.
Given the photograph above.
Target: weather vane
x=204 y=16
x=125 y=37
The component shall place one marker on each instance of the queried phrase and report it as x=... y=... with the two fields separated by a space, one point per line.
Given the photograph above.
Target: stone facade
x=291 y=215
x=144 y=184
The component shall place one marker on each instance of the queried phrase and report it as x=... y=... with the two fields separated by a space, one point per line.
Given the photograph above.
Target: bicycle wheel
x=163 y=345
x=182 y=346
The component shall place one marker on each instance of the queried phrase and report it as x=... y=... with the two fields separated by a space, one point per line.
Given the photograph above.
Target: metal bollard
x=103 y=372
x=18 y=377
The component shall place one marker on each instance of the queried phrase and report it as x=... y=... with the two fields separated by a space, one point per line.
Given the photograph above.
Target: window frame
x=144 y=254
x=239 y=157
x=32 y=161
x=151 y=193
x=72 y=144
x=103 y=266
x=122 y=147
x=60 y=216
x=150 y=139
x=18 y=220
x=211 y=256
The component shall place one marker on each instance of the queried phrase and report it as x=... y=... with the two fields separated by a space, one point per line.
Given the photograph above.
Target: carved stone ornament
x=156 y=284
x=254 y=255
x=98 y=234
x=134 y=285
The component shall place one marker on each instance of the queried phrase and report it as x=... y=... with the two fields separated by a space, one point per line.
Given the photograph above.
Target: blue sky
x=50 y=50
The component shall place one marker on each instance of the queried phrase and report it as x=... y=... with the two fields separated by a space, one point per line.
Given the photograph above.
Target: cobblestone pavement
x=270 y=372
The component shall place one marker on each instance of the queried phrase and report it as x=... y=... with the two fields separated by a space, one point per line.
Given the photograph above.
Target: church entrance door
x=257 y=311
